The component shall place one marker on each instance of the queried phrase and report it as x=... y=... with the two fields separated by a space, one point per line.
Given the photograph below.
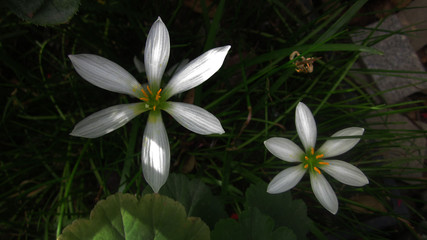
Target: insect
x=304 y=65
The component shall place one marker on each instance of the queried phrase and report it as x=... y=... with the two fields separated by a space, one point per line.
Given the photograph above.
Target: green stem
x=67 y=191
x=42 y=46
x=214 y=26
x=337 y=83
x=98 y=176
x=129 y=155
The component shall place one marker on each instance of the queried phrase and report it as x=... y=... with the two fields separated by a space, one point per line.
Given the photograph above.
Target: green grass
x=49 y=178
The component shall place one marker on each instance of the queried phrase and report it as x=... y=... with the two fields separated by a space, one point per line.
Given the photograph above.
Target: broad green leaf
x=44 y=12
x=123 y=216
x=196 y=197
x=281 y=208
x=252 y=225
x=227 y=229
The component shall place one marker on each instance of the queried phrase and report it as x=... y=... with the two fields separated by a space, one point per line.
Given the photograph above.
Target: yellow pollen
x=144 y=99
x=306 y=166
x=323 y=163
x=319 y=156
x=306 y=158
x=312 y=151
x=143 y=92
x=317 y=170
x=149 y=90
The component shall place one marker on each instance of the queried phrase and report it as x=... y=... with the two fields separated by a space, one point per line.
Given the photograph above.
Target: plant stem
x=129 y=155
x=67 y=191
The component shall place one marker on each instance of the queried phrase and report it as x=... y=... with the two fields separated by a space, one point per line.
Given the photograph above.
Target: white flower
x=155 y=144
x=314 y=161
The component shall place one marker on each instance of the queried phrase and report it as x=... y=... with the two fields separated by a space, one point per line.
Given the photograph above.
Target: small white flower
x=155 y=144
x=314 y=161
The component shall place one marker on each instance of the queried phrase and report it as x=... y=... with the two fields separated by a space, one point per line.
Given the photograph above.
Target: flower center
x=152 y=100
x=313 y=161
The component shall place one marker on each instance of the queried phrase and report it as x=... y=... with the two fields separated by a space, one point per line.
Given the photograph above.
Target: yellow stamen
x=144 y=99
x=319 y=156
x=149 y=90
x=154 y=108
x=312 y=151
x=143 y=92
x=324 y=163
x=158 y=95
x=306 y=166
x=317 y=170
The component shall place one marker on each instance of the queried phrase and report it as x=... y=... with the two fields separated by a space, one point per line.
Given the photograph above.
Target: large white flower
x=313 y=161
x=155 y=144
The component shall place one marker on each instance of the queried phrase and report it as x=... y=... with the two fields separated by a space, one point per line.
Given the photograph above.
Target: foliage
x=195 y=196
x=49 y=179
x=123 y=216
x=44 y=12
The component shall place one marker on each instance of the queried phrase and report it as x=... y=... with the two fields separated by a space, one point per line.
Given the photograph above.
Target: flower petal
x=286 y=179
x=323 y=192
x=194 y=118
x=105 y=74
x=138 y=64
x=196 y=71
x=284 y=149
x=332 y=148
x=155 y=153
x=107 y=120
x=306 y=126
x=345 y=173
x=156 y=54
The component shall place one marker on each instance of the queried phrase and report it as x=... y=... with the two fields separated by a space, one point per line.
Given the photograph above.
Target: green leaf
x=227 y=229
x=344 y=19
x=123 y=216
x=281 y=208
x=333 y=47
x=44 y=12
x=252 y=225
x=196 y=197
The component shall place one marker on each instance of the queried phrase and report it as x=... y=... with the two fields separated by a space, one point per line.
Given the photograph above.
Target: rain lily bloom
x=314 y=161
x=106 y=74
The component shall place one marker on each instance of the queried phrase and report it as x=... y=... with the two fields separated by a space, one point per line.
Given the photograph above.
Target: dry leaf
x=196 y=6
x=368 y=201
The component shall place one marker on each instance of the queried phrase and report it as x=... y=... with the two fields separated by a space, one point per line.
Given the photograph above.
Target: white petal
x=105 y=74
x=138 y=64
x=306 y=126
x=286 y=179
x=194 y=118
x=284 y=149
x=345 y=173
x=323 y=192
x=155 y=153
x=107 y=120
x=156 y=54
x=332 y=148
x=197 y=71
